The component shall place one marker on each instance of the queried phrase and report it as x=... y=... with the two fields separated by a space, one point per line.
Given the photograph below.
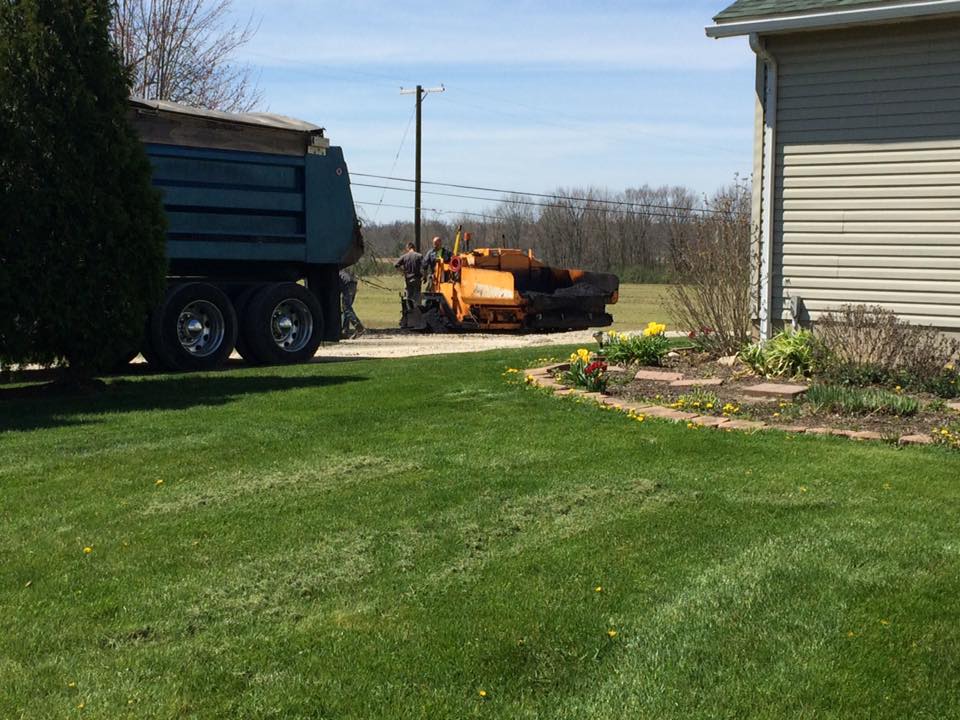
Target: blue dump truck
x=260 y=220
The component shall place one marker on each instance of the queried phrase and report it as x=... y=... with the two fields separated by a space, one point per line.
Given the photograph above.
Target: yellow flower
x=71 y=684
x=482 y=694
x=598 y=588
x=654 y=328
x=87 y=550
x=611 y=633
x=159 y=482
x=884 y=622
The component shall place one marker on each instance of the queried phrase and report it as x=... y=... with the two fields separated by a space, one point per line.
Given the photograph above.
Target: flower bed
x=693 y=386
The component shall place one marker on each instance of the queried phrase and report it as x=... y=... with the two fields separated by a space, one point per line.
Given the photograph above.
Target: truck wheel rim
x=291 y=324
x=201 y=328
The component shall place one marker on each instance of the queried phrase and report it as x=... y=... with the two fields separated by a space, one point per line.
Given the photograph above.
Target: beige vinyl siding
x=867 y=201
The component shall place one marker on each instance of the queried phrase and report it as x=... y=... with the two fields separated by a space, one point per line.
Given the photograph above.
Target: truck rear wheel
x=283 y=324
x=195 y=328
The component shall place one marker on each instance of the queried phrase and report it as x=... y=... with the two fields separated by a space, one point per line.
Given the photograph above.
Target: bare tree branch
x=182 y=50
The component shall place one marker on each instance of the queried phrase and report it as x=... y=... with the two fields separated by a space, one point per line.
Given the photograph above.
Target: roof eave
x=834 y=19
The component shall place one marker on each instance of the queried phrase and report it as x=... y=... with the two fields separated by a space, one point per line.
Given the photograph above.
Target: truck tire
x=195 y=328
x=283 y=324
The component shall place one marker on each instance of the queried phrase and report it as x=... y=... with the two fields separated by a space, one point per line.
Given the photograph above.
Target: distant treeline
x=630 y=233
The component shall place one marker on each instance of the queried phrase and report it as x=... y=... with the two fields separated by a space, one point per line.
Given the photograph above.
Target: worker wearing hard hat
x=438 y=252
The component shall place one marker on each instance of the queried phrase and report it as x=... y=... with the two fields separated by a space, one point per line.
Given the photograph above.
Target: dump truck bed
x=248 y=192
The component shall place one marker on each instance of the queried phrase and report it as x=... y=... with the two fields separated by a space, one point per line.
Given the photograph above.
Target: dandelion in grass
x=483 y=694
x=87 y=550
x=72 y=684
x=159 y=482
x=611 y=633
x=884 y=622
x=598 y=588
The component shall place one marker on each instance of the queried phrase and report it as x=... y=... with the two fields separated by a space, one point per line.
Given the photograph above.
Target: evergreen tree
x=81 y=228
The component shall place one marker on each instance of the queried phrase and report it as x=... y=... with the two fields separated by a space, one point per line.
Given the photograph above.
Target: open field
x=379 y=307
x=389 y=538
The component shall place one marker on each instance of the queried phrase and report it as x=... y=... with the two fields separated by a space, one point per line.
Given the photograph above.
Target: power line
x=393 y=167
x=540 y=204
x=434 y=210
x=600 y=201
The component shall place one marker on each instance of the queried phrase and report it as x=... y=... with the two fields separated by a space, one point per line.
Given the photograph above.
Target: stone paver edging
x=544 y=377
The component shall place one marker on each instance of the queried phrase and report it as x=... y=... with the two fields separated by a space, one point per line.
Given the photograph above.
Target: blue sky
x=538 y=95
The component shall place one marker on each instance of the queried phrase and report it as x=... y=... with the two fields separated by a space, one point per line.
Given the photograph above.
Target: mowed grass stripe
x=384 y=539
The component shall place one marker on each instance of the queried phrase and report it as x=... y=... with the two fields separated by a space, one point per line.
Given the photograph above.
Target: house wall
x=867 y=193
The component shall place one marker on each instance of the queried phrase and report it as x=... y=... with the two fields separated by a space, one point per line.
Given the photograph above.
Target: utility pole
x=421 y=93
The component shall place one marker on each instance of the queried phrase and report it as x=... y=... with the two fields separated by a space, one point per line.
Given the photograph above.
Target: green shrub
x=788 y=354
x=857 y=401
x=81 y=228
x=869 y=345
x=648 y=348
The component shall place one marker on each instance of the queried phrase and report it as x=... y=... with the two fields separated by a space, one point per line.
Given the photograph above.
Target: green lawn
x=386 y=539
x=379 y=307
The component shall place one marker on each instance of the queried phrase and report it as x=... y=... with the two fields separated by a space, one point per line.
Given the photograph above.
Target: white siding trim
x=834 y=19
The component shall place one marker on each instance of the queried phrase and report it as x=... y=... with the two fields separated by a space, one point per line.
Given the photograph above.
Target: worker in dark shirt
x=437 y=253
x=411 y=264
x=350 y=325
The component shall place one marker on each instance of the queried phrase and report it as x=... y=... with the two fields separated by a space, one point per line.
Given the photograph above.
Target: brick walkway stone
x=639 y=408
x=696 y=382
x=595 y=396
x=743 y=425
x=799 y=429
x=710 y=421
x=866 y=435
x=668 y=414
x=658 y=376
x=954 y=406
x=782 y=391
x=916 y=440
